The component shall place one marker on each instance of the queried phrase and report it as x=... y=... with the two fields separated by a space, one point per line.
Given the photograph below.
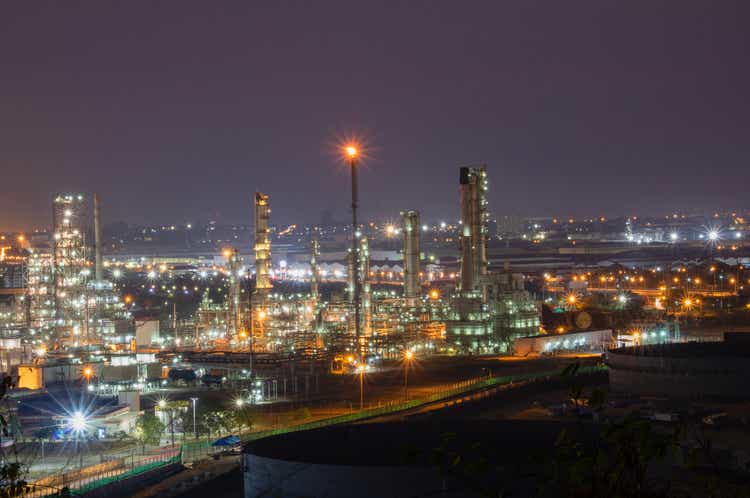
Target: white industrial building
x=589 y=341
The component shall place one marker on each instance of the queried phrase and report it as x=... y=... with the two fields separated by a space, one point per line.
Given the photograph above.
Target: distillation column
x=263 y=284
x=234 y=317
x=314 y=275
x=364 y=278
x=98 y=267
x=473 y=185
x=350 y=258
x=70 y=267
x=262 y=247
x=411 y=229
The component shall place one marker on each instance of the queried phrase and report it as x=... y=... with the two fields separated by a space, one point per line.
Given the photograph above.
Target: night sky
x=178 y=111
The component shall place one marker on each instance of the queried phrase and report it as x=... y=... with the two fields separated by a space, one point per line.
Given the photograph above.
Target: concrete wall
x=684 y=377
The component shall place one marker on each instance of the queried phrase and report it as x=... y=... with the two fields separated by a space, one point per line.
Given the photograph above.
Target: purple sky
x=179 y=110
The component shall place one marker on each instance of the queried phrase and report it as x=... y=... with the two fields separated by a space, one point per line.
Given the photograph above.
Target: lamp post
x=408 y=356
x=352 y=153
x=195 y=430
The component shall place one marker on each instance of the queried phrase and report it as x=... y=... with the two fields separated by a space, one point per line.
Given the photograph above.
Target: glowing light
x=162 y=404
x=78 y=422
x=572 y=299
x=239 y=402
x=434 y=294
x=351 y=151
x=713 y=235
x=674 y=236
x=409 y=355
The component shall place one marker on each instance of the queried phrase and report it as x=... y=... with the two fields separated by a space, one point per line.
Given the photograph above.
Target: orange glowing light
x=88 y=372
x=128 y=299
x=434 y=294
x=409 y=354
x=351 y=151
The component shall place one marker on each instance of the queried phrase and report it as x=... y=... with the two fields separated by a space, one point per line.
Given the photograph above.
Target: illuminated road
x=658 y=292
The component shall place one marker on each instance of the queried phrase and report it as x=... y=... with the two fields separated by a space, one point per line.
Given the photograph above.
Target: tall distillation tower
x=365 y=290
x=314 y=274
x=263 y=283
x=411 y=230
x=234 y=316
x=262 y=247
x=474 y=217
x=70 y=267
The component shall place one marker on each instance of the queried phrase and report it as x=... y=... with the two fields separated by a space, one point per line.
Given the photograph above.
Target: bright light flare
x=351 y=151
x=78 y=421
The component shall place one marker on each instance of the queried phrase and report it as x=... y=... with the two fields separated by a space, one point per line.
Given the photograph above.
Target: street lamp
x=78 y=422
x=361 y=369
x=87 y=373
x=195 y=430
x=408 y=356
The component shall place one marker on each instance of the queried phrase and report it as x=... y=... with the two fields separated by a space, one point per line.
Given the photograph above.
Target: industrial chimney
x=411 y=229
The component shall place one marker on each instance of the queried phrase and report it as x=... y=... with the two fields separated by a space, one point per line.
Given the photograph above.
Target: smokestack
x=98 y=266
x=411 y=228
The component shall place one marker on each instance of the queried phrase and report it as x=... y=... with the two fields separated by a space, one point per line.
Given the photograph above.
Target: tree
x=243 y=418
x=12 y=473
x=148 y=430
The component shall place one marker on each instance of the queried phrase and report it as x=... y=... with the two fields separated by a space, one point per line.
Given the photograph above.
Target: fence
x=196 y=450
x=81 y=481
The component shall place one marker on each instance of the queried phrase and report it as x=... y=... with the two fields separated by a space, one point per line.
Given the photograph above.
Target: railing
x=196 y=450
x=82 y=481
